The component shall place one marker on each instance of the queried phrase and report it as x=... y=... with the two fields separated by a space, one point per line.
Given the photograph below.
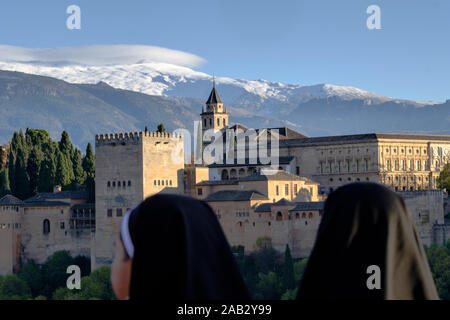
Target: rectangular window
x=348 y=165
x=277 y=191
x=295 y=189
x=297 y=170
x=109 y=212
x=119 y=212
x=286 y=189
x=61 y=225
x=199 y=191
x=366 y=163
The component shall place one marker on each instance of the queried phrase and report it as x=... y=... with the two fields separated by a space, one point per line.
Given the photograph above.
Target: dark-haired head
x=367 y=248
x=180 y=252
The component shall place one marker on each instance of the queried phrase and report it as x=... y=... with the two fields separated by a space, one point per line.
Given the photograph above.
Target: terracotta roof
x=235 y=195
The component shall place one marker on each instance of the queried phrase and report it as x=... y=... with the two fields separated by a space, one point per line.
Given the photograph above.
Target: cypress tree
x=89 y=161
x=288 y=270
x=64 y=170
x=11 y=170
x=161 y=128
x=22 y=183
x=89 y=169
x=47 y=173
x=33 y=166
x=78 y=171
x=4 y=183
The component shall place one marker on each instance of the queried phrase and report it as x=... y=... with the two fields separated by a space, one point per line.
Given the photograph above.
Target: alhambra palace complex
x=285 y=206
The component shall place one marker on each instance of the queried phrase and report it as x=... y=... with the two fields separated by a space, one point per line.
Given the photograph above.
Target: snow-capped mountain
x=164 y=79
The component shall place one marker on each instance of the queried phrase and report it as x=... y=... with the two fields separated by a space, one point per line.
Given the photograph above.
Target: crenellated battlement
x=134 y=136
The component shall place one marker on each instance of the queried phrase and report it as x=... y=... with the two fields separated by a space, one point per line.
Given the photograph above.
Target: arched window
x=218 y=122
x=46 y=227
x=118 y=183
x=224 y=174
x=224 y=122
x=210 y=122
x=204 y=121
x=310 y=215
x=279 y=216
x=123 y=184
x=241 y=172
x=109 y=184
x=233 y=174
x=297 y=215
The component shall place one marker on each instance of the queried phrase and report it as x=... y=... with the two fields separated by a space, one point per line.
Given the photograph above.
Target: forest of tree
x=35 y=164
x=272 y=276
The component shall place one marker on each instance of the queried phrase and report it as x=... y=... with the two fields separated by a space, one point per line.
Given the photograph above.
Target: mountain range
x=87 y=100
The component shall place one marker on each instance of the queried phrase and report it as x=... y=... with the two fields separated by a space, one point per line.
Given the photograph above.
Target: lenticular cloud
x=99 y=55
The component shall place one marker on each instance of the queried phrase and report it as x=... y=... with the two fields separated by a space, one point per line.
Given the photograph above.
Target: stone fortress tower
x=129 y=168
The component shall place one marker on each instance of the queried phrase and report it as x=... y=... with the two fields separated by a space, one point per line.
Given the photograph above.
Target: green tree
x=32 y=275
x=54 y=271
x=161 y=128
x=78 y=171
x=14 y=288
x=11 y=170
x=89 y=169
x=290 y=294
x=4 y=182
x=269 y=286
x=33 y=167
x=47 y=173
x=444 y=178
x=299 y=269
x=288 y=270
x=89 y=161
x=64 y=171
x=21 y=180
x=439 y=261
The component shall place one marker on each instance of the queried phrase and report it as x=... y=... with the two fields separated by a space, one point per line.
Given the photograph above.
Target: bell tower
x=216 y=115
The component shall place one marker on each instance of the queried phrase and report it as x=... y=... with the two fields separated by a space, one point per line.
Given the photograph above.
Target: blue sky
x=299 y=42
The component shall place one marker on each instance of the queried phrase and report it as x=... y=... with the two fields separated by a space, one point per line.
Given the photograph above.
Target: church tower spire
x=215 y=116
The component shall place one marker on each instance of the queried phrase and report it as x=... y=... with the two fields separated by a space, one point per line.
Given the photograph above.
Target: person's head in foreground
x=173 y=248
x=366 y=226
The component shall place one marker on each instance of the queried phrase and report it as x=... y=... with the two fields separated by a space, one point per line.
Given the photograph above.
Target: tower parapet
x=102 y=139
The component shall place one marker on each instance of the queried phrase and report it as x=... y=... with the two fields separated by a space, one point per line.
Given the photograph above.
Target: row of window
x=242 y=214
x=211 y=122
x=122 y=184
x=10 y=226
x=341 y=166
x=402 y=150
x=401 y=165
x=286 y=190
x=118 y=211
x=161 y=182
x=404 y=179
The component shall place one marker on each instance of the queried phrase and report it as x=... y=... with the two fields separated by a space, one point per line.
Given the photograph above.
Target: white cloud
x=99 y=55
